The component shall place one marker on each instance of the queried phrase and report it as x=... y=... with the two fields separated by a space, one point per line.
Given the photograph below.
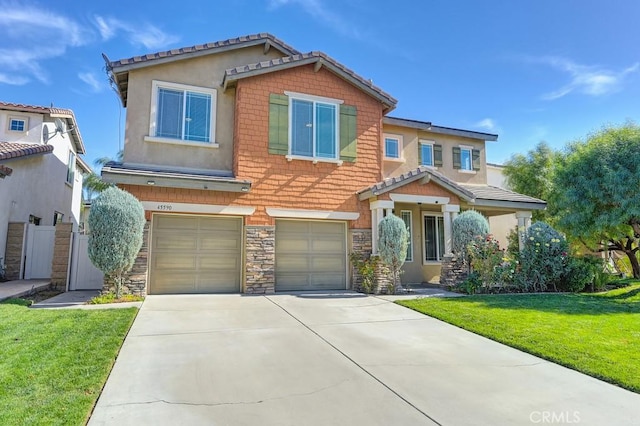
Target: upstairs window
x=71 y=167
x=183 y=113
x=312 y=128
x=393 y=147
x=465 y=158
x=429 y=153
x=17 y=124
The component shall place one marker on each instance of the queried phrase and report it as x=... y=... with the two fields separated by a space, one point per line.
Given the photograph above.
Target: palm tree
x=92 y=182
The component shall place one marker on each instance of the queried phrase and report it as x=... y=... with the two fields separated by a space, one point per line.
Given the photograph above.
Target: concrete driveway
x=342 y=359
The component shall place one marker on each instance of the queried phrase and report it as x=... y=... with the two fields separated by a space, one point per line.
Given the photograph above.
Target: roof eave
x=173 y=180
x=517 y=205
x=430 y=127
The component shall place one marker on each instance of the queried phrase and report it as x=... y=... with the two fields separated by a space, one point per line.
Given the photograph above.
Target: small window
x=392 y=147
x=57 y=218
x=406 y=218
x=183 y=113
x=71 y=167
x=426 y=153
x=466 y=159
x=18 y=124
x=34 y=219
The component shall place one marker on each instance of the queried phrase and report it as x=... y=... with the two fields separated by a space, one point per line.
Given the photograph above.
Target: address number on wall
x=164 y=207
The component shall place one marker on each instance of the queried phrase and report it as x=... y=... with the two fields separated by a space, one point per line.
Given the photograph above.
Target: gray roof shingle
x=314 y=57
x=485 y=195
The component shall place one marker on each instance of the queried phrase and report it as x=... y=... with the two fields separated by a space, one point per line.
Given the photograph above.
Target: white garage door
x=310 y=255
x=195 y=254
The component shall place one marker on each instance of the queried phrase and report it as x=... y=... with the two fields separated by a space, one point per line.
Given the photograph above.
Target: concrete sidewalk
x=19 y=288
x=343 y=358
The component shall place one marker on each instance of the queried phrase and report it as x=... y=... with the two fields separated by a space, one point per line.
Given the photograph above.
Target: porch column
x=524 y=222
x=377 y=214
x=449 y=213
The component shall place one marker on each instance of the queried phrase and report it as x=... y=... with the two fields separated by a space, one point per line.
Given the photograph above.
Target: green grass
x=54 y=363
x=597 y=334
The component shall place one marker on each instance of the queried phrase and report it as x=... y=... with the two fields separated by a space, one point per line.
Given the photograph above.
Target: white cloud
x=147 y=35
x=31 y=35
x=488 y=124
x=318 y=10
x=91 y=80
x=589 y=80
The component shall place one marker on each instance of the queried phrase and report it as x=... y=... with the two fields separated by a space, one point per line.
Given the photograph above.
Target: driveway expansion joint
x=356 y=364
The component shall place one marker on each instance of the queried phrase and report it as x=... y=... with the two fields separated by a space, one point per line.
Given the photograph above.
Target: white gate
x=84 y=276
x=39 y=251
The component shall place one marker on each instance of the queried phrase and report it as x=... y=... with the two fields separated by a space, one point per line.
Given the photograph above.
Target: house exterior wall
x=409 y=161
x=299 y=183
x=45 y=177
x=34 y=127
x=206 y=71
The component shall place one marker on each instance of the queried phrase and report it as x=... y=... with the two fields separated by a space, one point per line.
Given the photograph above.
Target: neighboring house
x=41 y=168
x=260 y=168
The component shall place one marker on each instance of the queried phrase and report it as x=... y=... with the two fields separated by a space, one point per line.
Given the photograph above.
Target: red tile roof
x=53 y=112
x=11 y=150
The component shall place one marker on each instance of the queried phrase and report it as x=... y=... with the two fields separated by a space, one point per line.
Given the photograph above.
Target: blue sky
x=530 y=71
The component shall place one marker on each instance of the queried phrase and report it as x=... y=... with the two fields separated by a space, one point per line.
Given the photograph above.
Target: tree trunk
x=635 y=265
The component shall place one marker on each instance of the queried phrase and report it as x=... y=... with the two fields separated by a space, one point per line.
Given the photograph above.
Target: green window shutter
x=278 y=124
x=475 y=155
x=348 y=136
x=437 y=155
x=457 y=162
x=419 y=154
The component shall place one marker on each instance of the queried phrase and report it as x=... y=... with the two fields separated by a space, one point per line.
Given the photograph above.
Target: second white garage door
x=310 y=255
x=195 y=254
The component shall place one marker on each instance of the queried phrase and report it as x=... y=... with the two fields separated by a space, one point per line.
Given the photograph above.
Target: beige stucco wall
x=205 y=71
x=410 y=138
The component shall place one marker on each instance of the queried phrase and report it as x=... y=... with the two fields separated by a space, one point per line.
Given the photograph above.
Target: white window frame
x=410 y=230
x=470 y=149
x=71 y=167
x=424 y=235
x=156 y=85
x=432 y=144
x=25 y=121
x=315 y=100
x=399 y=139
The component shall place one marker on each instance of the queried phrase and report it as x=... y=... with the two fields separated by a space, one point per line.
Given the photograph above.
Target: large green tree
x=532 y=174
x=595 y=197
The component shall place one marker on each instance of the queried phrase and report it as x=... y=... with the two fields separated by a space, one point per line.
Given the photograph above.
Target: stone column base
x=260 y=266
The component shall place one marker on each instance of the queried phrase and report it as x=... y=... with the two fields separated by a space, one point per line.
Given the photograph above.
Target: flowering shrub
x=543 y=260
x=491 y=264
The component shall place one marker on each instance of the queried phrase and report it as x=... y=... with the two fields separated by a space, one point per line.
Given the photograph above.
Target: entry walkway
x=19 y=288
x=334 y=359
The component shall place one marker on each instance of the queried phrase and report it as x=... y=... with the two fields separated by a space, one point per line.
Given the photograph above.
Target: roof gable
x=319 y=59
x=479 y=195
x=119 y=69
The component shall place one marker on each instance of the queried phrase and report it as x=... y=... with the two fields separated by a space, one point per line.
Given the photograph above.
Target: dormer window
x=182 y=113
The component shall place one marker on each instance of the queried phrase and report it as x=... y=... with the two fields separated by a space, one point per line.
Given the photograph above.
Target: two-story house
x=261 y=168
x=42 y=171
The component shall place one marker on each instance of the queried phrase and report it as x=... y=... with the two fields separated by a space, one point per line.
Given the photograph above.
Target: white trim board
x=424 y=199
x=159 y=206
x=311 y=214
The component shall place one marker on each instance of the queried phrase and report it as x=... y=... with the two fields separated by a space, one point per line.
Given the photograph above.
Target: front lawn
x=597 y=334
x=53 y=363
